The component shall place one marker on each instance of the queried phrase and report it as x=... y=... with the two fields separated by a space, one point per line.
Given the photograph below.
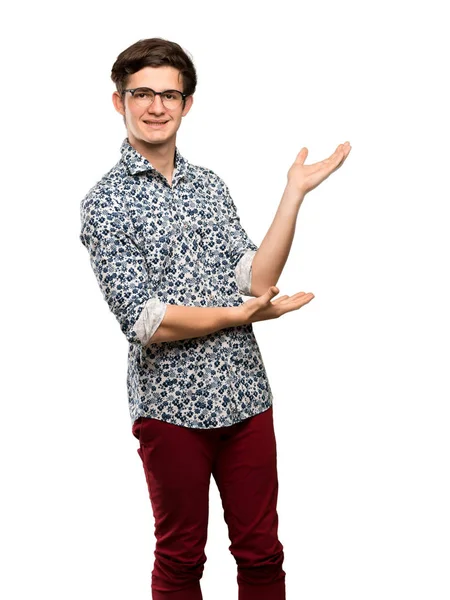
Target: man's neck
x=161 y=156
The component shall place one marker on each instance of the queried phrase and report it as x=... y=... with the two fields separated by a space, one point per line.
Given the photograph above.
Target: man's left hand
x=305 y=178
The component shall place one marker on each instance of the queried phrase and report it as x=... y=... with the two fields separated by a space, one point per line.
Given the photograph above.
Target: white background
x=360 y=375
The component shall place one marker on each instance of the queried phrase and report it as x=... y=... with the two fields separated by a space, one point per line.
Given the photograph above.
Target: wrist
x=293 y=193
x=235 y=316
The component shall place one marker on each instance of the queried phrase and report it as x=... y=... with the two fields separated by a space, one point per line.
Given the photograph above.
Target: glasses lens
x=171 y=99
x=143 y=96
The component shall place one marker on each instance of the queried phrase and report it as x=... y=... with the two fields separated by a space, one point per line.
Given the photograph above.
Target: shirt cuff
x=243 y=272
x=150 y=319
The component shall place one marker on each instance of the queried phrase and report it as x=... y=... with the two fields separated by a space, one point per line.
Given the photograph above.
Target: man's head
x=159 y=66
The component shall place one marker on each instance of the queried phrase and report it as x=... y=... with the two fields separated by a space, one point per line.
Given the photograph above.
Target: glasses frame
x=133 y=90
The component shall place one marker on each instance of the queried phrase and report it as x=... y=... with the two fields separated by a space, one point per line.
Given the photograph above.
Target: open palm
x=306 y=177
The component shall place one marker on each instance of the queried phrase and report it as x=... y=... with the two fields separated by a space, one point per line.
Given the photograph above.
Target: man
x=172 y=260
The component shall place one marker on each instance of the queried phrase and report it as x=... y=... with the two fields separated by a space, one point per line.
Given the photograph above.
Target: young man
x=172 y=260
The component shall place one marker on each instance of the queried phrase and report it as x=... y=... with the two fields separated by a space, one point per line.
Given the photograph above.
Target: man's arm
x=128 y=288
x=118 y=264
x=258 y=268
x=184 y=322
x=272 y=254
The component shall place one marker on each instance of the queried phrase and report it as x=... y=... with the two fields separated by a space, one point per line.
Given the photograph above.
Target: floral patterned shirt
x=151 y=244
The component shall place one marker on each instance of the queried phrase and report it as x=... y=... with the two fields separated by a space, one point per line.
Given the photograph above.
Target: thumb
x=272 y=291
x=301 y=156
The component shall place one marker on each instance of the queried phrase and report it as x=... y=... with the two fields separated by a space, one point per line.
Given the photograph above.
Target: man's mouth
x=155 y=123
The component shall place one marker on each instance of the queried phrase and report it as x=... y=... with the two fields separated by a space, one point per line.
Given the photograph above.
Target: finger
x=296 y=302
x=271 y=292
x=332 y=164
x=342 y=150
x=336 y=160
x=297 y=295
x=336 y=155
x=331 y=161
x=293 y=300
x=301 y=156
x=346 y=152
x=280 y=299
x=299 y=302
x=301 y=295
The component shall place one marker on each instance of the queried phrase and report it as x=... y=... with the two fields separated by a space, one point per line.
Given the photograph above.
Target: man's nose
x=157 y=105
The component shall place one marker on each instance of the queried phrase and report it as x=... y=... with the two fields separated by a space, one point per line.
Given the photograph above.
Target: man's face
x=140 y=121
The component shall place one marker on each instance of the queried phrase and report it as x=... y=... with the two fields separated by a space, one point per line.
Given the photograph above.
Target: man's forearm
x=272 y=254
x=184 y=322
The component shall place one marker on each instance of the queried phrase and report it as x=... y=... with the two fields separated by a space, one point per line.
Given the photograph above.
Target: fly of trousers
x=178 y=462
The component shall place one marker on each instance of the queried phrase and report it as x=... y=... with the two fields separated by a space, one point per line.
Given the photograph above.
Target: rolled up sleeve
x=120 y=268
x=150 y=319
x=243 y=273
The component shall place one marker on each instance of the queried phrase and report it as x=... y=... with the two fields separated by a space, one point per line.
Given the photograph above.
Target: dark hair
x=154 y=52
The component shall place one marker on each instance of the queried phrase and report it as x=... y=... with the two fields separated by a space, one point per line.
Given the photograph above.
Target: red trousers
x=178 y=463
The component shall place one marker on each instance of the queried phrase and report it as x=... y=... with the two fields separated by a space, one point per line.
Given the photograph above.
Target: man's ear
x=118 y=104
x=187 y=105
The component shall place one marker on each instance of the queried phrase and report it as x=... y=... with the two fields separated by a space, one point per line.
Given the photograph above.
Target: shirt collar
x=136 y=163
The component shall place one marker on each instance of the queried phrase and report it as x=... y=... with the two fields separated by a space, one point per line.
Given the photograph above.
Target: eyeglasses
x=145 y=96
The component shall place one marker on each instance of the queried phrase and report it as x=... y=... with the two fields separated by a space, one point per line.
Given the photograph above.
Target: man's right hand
x=184 y=322
x=263 y=307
